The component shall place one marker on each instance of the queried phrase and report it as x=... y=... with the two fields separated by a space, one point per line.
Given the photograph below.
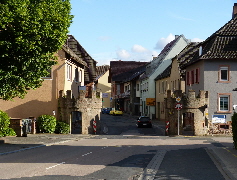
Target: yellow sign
x=150 y=101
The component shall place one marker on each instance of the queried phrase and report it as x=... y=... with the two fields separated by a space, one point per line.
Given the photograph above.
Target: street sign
x=178 y=99
x=178 y=106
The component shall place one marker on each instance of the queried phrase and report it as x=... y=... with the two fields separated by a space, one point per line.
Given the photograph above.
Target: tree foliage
x=31 y=31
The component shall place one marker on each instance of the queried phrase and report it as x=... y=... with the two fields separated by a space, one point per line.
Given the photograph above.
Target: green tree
x=31 y=31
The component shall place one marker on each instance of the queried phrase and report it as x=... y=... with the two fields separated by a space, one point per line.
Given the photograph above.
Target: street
x=122 y=152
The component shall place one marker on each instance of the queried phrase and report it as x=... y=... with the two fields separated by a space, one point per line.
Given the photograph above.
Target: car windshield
x=144 y=119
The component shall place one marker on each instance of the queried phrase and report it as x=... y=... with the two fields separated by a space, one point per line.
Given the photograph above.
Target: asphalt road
x=123 y=152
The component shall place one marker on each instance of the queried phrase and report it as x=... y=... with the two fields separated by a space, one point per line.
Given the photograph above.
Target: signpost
x=178 y=106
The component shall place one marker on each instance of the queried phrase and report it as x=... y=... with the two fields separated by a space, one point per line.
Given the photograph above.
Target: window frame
x=69 y=72
x=224 y=68
x=229 y=109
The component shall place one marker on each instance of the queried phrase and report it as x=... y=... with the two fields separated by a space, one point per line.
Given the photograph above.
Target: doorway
x=188 y=123
x=76 y=126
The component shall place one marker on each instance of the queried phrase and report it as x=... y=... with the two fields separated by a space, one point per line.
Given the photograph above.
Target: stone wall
x=89 y=107
x=191 y=104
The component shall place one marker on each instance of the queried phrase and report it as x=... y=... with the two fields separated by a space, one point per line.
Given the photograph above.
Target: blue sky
x=136 y=30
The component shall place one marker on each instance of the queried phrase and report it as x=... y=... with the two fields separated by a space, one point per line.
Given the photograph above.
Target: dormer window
x=200 y=50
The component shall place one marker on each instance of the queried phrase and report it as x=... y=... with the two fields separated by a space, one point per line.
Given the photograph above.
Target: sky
x=137 y=30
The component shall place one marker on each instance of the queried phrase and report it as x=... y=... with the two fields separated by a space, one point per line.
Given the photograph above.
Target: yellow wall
x=43 y=100
x=105 y=87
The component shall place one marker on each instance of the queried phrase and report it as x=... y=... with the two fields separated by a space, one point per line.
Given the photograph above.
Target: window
x=224 y=74
x=76 y=75
x=69 y=72
x=137 y=87
x=224 y=102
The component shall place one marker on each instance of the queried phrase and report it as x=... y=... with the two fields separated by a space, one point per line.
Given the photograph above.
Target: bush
x=234 y=129
x=5 y=130
x=62 y=128
x=46 y=123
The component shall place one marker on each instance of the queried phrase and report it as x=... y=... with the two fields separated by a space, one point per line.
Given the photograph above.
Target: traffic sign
x=178 y=106
x=178 y=99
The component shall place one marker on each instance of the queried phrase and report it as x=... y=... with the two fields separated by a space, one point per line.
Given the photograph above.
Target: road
x=124 y=152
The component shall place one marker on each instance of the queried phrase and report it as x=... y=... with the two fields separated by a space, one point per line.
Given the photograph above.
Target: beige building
x=171 y=79
x=102 y=84
x=67 y=74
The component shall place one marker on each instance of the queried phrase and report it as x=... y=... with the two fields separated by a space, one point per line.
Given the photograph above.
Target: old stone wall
x=193 y=105
x=89 y=107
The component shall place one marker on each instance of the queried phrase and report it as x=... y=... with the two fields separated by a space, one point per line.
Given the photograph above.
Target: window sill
x=224 y=112
x=224 y=81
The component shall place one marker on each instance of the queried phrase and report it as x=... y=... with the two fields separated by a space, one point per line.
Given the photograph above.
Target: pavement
x=223 y=154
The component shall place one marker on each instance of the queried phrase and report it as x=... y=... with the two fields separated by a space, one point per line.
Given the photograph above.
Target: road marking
x=230 y=152
x=104 y=147
x=86 y=154
x=153 y=166
x=55 y=165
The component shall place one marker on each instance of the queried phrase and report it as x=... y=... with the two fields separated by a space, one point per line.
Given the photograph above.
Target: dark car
x=144 y=121
x=106 y=110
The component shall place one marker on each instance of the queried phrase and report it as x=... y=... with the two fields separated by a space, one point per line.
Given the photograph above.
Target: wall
x=89 y=107
x=42 y=100
x=105 y=87
x=192 y=103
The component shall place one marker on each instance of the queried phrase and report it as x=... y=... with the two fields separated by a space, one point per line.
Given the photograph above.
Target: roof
x=129 y=75
x=183 y=58
x=101 y=70
x=118 y=67
x=159 y=60
x=73 y=55
x=220 y=45
x=90 y=71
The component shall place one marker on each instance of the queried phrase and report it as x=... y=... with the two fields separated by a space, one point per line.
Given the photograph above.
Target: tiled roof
x=156 y=62
x=101 y=70
x=90 y=70
x=183 y=58
x=220 y=45
x=186 y=56
x=118 y=67
x=129 y=75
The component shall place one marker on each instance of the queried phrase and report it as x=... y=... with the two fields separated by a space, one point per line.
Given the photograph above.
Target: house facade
x=67 y=74
x=153 y=69
x=116 y=78
x=102 y=84
x=73 y=72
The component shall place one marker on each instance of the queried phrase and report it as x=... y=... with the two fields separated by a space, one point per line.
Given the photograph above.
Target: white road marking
x=55 y=165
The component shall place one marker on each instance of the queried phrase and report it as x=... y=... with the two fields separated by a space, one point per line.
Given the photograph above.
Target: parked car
x=106 y=110
x=116 y=112
x=144 y=121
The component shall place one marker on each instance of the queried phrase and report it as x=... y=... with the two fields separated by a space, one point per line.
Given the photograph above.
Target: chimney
x=234 y=10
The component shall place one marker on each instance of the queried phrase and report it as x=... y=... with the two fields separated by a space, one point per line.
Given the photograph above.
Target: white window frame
x=69 y=72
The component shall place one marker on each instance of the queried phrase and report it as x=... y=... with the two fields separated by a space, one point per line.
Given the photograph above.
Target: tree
x=31 y=32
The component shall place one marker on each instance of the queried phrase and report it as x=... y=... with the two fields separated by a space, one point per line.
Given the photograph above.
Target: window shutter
x=197 y=75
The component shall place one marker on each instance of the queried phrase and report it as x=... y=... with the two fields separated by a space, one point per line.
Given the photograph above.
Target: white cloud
x=163 y=41
x=197 y=40
x=123 y=54
x=138 y=48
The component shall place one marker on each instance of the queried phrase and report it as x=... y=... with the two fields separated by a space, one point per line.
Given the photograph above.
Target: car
x=144 y=121
x=116 y=112
x=106 y=110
